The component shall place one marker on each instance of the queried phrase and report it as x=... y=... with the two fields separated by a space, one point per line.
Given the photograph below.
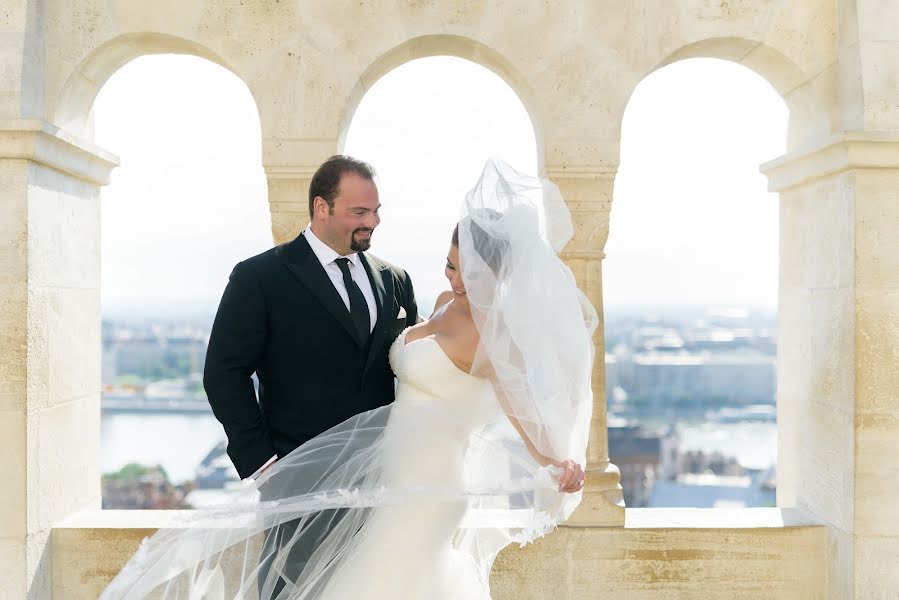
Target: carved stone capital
x=841 y=152
x=35 y=140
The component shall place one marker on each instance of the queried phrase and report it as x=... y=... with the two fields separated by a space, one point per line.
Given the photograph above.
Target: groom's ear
x=319 y=204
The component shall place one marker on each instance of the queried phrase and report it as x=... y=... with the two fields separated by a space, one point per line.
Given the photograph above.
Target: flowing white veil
x=320 y=501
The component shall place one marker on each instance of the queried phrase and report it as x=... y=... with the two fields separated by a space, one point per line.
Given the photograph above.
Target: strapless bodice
x=436 y=410
x=425 y=373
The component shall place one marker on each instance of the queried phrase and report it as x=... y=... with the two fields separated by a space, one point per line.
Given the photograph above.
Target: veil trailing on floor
x=321 y=500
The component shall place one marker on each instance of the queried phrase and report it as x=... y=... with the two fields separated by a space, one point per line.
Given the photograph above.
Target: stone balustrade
x=731 y=554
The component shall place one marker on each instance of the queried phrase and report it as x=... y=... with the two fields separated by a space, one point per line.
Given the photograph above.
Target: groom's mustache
x=362 y=230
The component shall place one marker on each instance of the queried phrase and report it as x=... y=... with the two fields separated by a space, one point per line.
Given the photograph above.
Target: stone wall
x=659 y=553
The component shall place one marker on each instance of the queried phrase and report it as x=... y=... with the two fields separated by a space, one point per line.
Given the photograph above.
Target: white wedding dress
x=407 y=552
x=457 y=499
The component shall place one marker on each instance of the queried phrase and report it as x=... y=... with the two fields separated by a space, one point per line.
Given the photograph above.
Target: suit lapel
x=301 y=261
x=382 y=285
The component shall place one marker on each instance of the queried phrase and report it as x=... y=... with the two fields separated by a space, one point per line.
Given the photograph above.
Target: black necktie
x=358 y=305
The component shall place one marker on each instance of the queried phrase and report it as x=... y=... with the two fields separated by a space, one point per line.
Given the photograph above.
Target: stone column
x=287 y=199
x=838 y=347
x=289 y=166
x=49 y=342
x=838 y=351
x=588 y=194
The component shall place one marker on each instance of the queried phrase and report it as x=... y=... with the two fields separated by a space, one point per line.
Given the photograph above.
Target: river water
x=179 y=442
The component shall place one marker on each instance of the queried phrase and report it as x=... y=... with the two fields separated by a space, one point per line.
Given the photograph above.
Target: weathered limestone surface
x=710 y=554
x=726 y=554
x=838 y=349
x=574 y=64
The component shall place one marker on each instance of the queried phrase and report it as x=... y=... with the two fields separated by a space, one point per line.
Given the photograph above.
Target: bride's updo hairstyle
x=491 y=249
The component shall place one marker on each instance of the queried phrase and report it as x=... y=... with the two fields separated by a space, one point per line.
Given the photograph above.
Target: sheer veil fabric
x=419 y=496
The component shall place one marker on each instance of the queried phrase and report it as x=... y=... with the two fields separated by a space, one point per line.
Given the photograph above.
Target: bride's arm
x=572 y=478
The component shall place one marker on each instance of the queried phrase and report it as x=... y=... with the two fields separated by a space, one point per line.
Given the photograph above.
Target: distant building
x=143 y=488
x=707 y=490
x=611 y=377
x=152 y=354
x=662 y=378
x=637 y=454
x=656 y=473
x=216 y=470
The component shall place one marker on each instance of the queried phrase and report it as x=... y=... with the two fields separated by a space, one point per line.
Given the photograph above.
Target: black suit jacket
x=281 y=318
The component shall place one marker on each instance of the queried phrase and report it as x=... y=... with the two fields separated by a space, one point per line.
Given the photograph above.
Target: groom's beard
x=360 y=245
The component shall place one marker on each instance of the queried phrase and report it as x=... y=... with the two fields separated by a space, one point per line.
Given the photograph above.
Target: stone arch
x=808 y=115
x=807 y=112
x=666 y=129
x=777 y=68
x=84 y=83
x=444 y=45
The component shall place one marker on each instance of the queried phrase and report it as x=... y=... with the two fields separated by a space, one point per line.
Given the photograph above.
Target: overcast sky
x=691 y=222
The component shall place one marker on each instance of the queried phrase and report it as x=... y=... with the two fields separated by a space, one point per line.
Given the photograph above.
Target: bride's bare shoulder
x=442 y=301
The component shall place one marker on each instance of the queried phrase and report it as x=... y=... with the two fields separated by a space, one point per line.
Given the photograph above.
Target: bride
x=482 y=447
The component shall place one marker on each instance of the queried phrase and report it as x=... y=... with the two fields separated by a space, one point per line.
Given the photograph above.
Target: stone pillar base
x=603 y=503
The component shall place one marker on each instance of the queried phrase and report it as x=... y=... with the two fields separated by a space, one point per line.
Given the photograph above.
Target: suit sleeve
x=235 y=350
x=409 y=301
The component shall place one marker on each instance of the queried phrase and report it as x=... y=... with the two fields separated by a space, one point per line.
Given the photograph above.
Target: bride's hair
x=490 y=248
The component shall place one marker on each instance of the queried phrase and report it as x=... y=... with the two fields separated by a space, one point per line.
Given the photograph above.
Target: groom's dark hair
x=326 y=181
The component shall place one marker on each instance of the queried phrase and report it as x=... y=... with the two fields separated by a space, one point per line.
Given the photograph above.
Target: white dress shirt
x=326 y=256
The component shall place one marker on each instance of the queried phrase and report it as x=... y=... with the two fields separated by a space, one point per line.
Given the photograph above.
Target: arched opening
x=690 y=289
x=427 y=127
x=441 y=45
x=188 y=202
x=78 y=95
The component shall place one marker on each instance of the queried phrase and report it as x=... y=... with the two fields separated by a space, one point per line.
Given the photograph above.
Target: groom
x=314 y=320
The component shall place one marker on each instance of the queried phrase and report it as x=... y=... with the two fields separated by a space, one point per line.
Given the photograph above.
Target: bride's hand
x=572 y=477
